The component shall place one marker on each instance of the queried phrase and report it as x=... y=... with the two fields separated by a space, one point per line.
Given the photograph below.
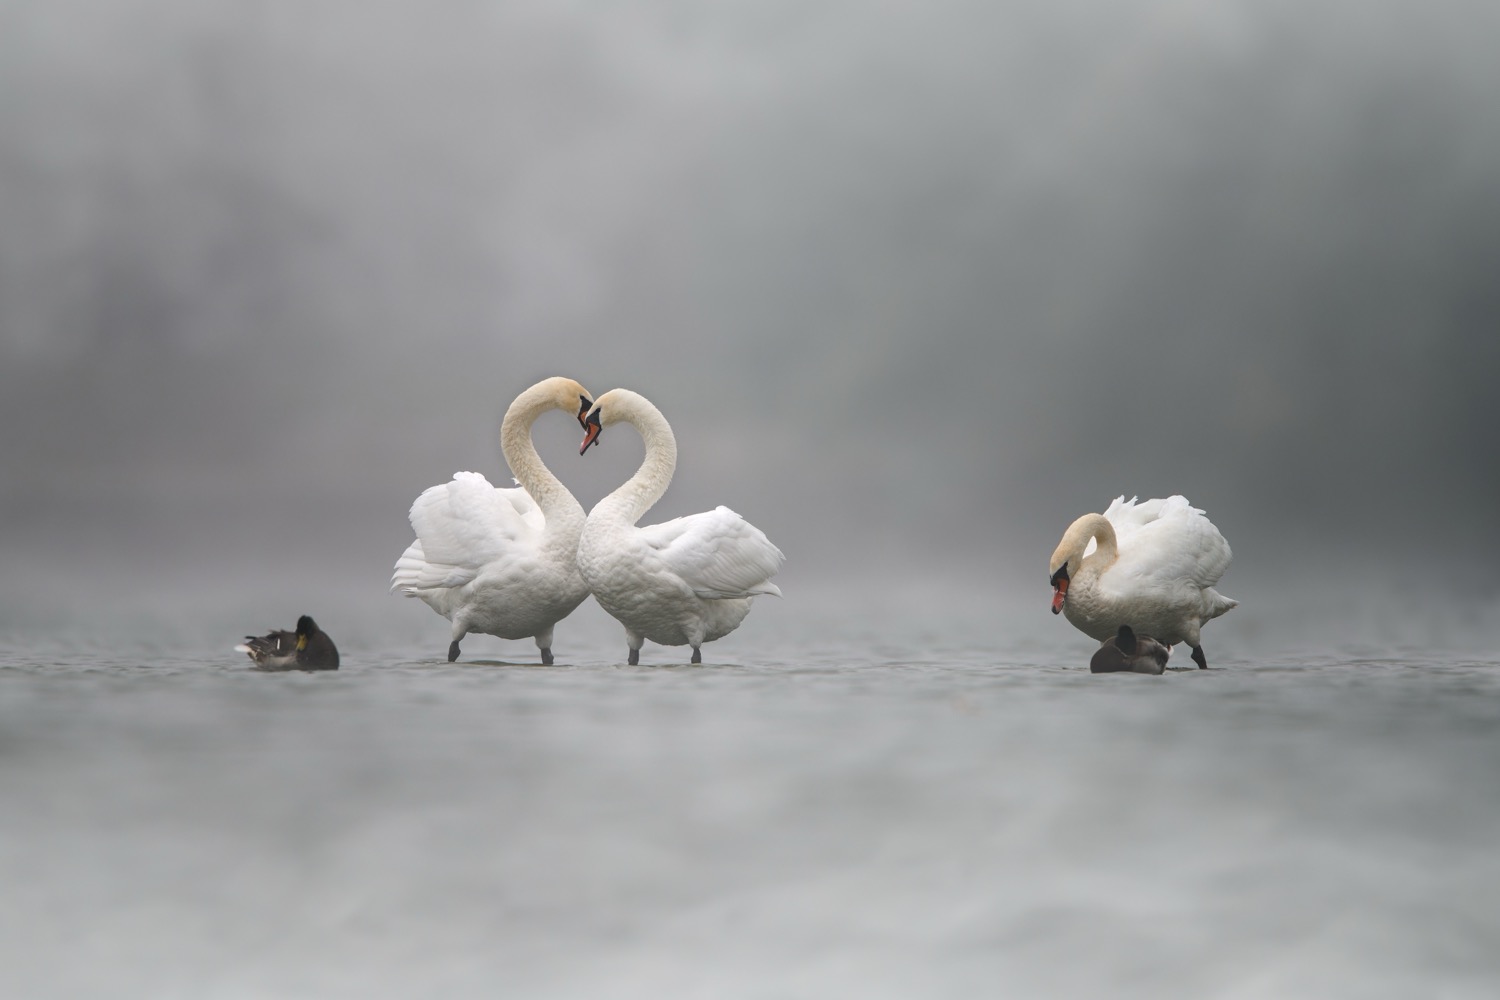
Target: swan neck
x=1108 y=544
x=641 y=491
x=555 y=500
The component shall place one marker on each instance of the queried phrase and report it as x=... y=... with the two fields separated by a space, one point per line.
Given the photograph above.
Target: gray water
x=923 y=808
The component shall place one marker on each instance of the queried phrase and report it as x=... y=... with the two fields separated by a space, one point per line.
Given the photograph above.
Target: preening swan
x=1126 y=652
x=1154 y=569
x=308 y=648
x=683 y=582
x=502 y=561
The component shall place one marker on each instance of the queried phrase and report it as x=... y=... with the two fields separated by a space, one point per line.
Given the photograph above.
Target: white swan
x=683 y=582
x=502 y=561
x=1154 y=569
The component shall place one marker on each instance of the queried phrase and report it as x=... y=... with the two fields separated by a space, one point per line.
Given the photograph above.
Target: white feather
x=718 y=554
x=682 y=582
x=500 y=560
x=1156 y=574
x=464 y=527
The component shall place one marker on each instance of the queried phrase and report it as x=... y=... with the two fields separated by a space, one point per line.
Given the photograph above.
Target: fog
x=916 y=283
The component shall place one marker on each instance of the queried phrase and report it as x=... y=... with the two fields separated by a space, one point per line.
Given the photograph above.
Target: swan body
x=1126 y=652
x=501 y=561
x=686 y=581
x=308 y=648
x=1151 y=565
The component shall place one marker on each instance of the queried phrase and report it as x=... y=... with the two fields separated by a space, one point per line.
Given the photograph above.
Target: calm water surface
x=819 y=813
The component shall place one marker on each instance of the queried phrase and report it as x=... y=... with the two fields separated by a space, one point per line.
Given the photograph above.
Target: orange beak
x=1059 y=594
x=591 y=436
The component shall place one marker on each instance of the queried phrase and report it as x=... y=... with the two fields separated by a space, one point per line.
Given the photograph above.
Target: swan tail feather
x=1218 y=603
x=760 y=590
x=409 y=570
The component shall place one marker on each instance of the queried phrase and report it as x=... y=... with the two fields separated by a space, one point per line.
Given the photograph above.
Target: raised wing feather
x=1167 y=540
x=718 y=554
x=461 y=526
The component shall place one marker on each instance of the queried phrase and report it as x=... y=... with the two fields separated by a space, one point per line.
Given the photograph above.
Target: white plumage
x=463 y=527
x=501 y=561
x=718 y=554
x=1151 y=565
x=682 y=582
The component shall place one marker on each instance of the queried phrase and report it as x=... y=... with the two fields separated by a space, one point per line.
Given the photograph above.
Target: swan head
x=1060 y=580
x=614 y=406
x=1069 y=554
x=556 y=393
x=570 y=395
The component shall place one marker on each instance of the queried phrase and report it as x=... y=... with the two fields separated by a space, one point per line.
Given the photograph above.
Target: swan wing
x=523 y=504
x=1167 y=540
x=1129 y=516
x=462 y=526
x=718 y=554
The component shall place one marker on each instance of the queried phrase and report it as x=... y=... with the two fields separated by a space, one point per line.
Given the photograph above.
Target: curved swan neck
x=641 y=491
x=1076 y=540
x=555 y=500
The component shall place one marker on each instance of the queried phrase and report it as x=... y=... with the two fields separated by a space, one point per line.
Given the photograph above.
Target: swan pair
x=1149 y=568
x=514 y=562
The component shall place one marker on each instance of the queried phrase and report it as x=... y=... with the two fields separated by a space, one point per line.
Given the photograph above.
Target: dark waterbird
x=308 y=648
x=1126 y=652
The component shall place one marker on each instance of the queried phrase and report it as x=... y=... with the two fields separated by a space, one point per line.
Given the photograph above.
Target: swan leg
x=635 y=642
x=1199 y=658
x=544 y=643
x=697 y=655
x=634 y=659
x=452 y=650
x=546 y=656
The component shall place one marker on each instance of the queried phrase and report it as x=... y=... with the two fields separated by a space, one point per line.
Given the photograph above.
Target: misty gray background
x=916 y=284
